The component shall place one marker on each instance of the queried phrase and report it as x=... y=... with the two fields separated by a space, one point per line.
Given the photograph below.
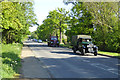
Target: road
x=63 y=63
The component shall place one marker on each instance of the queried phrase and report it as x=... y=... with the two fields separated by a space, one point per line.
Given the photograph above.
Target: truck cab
x=53 y=41
x=83 y=43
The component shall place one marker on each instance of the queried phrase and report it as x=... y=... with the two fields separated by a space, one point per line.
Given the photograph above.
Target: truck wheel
x=74 y=50
x=83 y=52
x=48 y=44
x=95 y=53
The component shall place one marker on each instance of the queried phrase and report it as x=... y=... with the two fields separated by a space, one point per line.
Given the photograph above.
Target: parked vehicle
x=39 y=41
x=84 y=44
x=53 y=41
x=35 y=40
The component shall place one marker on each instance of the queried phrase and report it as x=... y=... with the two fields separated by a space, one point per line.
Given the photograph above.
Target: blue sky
x=42 y=8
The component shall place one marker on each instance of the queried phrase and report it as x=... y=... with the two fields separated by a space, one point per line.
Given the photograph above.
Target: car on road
x=83 y=43
x=35 y=40
x=39 y=41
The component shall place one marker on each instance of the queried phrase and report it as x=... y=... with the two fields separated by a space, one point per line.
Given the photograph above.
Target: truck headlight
x=95 y=46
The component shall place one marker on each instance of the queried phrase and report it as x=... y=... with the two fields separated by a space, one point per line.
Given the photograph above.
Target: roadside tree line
x=55 y=24
x=16 y=18
x=98 y=19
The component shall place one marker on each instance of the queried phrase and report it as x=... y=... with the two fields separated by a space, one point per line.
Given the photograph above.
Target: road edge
x=51 y=76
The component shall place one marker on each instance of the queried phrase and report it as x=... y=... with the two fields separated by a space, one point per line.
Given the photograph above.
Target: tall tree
x=55 y=24
x=81 y=20
x=16 y=18
x=59 y=17
x=106 y=23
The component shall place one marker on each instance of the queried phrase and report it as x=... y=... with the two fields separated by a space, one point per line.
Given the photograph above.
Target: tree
x=34 y=35
x=81 y=21
x=105 y=19
x=44 y=30
x=16 y=19
x=55 y=24
x=59 y=18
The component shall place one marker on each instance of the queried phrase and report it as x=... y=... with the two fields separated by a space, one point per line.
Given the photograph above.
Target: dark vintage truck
x=53 y=41
x=83 y=43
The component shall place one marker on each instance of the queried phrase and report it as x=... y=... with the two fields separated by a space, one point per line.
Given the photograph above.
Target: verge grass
x=109 y=53
x=65 y=45
x=11 y=61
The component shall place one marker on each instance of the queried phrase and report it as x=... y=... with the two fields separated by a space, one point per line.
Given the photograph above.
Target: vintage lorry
x=53 y=41
x=83 y=43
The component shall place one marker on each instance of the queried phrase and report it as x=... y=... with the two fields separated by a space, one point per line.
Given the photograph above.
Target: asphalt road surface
x=63 y=63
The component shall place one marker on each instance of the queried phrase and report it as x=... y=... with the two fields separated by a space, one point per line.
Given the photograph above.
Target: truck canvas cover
x=76 y=37
x=82 y=36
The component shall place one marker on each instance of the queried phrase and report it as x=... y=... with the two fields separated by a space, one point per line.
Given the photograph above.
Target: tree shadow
x=72 y=67
x=71 y=53
x=35 y=45
x=75 y=67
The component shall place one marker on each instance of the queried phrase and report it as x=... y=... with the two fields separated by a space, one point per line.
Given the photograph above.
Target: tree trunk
x=60 y=35
x=8 y=38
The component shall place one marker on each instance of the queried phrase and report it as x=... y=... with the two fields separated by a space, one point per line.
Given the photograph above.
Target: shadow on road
x=71 y=53
x=35 y=45
x=74 y=68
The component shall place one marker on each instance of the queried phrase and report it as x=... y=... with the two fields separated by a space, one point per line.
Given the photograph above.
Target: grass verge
x=109 y=53
x=66 y=45
x=11 y=61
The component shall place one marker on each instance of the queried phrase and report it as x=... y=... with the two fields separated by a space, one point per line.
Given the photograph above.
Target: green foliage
x=106 y=24
x=104 y=17
x=55 y=24
x=80 y=21
x=11 y=61
x=98 y=19
x=34 y=35
x=16 y=19
x=66 y=45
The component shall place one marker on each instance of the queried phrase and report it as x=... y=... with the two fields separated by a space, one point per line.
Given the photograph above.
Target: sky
x=42 y=8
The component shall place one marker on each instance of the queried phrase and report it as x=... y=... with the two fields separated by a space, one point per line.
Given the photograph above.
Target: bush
x=65 y=41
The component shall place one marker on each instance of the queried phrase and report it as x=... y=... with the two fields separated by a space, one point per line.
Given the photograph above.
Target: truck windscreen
x=53 y=38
